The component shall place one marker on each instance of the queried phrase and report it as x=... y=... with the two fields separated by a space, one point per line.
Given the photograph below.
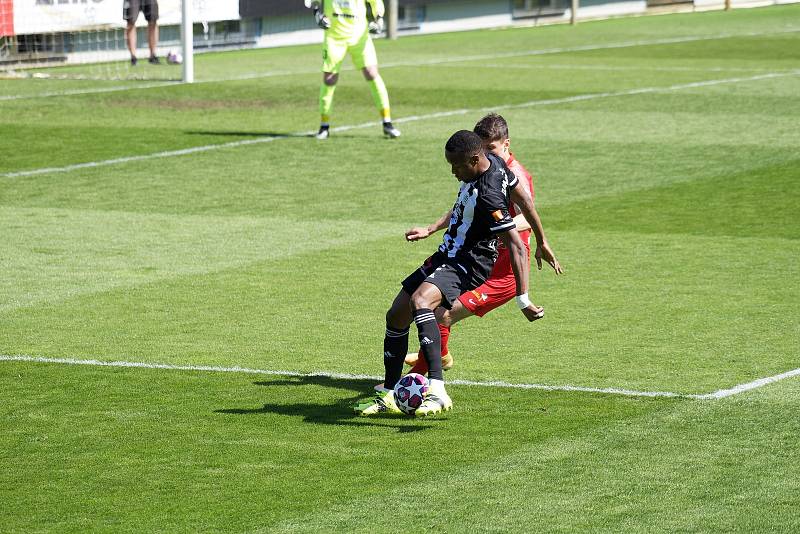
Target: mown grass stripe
x=417 y=62
x=413 y=118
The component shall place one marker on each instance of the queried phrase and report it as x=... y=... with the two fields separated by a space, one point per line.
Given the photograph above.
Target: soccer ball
x=174 y=58
x=410 y=391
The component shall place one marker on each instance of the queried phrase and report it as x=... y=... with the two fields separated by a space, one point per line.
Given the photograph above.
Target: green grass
x=674 y=213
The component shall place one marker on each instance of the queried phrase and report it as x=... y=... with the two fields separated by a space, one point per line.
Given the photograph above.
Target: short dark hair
x=492 y=127
x=463 y=142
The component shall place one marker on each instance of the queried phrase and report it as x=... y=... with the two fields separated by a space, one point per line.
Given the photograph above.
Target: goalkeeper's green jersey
x=349 y=17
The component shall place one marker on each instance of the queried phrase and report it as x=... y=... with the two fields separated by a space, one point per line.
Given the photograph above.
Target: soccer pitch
x=238 y=272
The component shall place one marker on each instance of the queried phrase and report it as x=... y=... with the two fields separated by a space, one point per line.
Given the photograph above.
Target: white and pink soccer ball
x=174 y=58
x=410 y=391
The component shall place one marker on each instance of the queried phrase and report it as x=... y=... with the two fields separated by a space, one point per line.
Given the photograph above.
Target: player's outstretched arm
x=522 y=198
x=519 y=264
x=418 y=232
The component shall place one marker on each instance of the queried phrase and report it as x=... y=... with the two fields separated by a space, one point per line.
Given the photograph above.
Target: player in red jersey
x=500 y=287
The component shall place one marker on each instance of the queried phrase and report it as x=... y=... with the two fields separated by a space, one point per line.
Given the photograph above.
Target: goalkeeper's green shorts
x=334 y=51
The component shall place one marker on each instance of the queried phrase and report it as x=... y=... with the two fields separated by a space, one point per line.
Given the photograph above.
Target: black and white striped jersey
x=479 y=214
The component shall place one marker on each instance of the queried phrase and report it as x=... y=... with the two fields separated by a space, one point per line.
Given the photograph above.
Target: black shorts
x=451 y=276
x=131 y=9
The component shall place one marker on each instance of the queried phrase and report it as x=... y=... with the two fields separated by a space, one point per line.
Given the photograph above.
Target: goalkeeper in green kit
x=348 y=30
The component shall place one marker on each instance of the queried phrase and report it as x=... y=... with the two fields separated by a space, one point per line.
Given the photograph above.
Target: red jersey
x=525 y=177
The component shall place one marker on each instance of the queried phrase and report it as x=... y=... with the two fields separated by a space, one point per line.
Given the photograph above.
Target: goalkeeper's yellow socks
x=381 y=97
x=326 y=99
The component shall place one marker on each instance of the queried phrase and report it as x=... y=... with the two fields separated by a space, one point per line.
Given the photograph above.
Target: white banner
x=45 y=16
x=202 y=11
x=49 y=16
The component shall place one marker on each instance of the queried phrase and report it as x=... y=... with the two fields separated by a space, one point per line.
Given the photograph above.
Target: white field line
x=413 y=118
x=156 y=155
x=337 y=376
x=741 y=388
x=613 y=68
x=418 y=63
x=722 y=393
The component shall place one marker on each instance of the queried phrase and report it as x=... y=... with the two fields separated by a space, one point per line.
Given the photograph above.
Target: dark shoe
x=390 y=131
x=324 y=132
x=133 y=61
x=154 y=60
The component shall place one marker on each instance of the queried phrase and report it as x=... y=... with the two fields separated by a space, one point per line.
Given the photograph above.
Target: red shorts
x=498 y=289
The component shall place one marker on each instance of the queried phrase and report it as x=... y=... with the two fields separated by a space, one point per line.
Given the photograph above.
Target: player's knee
x=420 y=300
x=395 y=318
x=370 y=73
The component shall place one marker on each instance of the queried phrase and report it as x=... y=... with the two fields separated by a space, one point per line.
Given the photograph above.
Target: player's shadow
x=277 y=135
x=339 y=413
x=274 y=135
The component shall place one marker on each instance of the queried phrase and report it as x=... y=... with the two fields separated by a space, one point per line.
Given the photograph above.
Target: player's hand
x=376 y=26
x=533 y=312
x=543 y=251
x=322 y=21
x=417 y=233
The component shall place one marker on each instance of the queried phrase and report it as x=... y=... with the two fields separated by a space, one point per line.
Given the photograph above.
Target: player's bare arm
x=522 y=198
x=519 y=264
x=520 y=221
x=417 y=233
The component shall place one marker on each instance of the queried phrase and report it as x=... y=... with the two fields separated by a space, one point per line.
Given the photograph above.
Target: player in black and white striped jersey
x=463 y=261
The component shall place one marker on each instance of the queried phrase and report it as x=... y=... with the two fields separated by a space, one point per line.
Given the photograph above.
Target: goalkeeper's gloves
x=320 y=18
x=322 y=21
x=376 y=26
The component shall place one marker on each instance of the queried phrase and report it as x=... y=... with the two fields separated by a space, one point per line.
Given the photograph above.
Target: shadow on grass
x=274 y=135
x=277 y=135
x=338 y=413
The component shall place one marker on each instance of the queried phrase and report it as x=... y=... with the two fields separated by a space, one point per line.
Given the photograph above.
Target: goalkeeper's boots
x=381 y=402
x=413 y=359
x=390 y=131
x=434 y=403
x=324 y=132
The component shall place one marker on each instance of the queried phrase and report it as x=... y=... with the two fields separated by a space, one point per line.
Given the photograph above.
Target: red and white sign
x=6 y=17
